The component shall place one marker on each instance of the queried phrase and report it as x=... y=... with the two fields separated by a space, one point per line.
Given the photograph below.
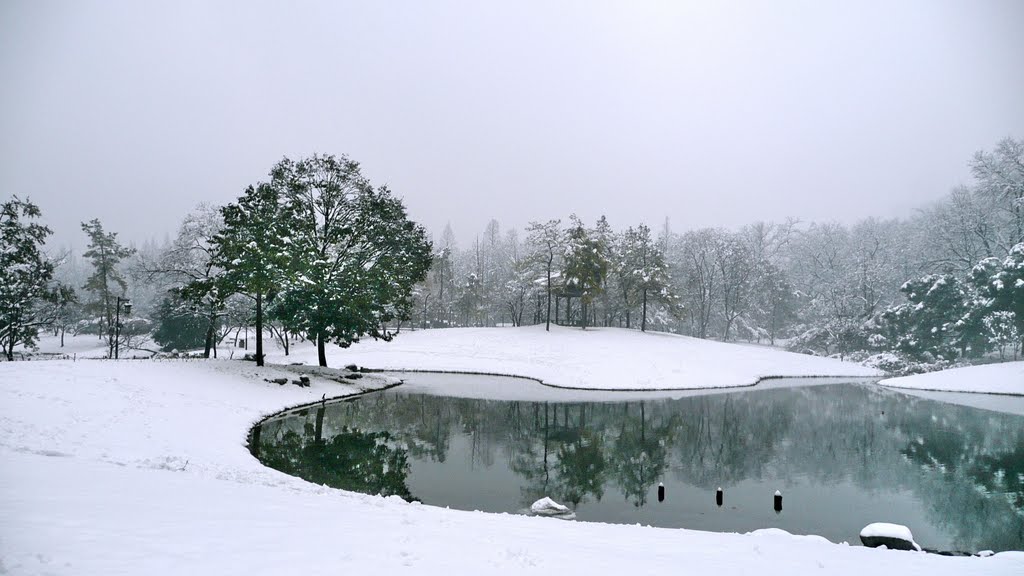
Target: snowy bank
x=1004 y=378
x=140 y=467
x=596 y=358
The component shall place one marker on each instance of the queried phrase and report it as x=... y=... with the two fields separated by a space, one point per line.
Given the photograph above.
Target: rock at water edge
x=894 y=536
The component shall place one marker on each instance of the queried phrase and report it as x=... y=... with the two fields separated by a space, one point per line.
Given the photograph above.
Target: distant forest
x=943 y=287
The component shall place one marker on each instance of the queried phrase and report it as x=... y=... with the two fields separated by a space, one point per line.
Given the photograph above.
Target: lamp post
x=117 y=323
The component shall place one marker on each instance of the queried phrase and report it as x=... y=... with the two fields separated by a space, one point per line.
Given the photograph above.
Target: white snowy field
x=1003 y=378
x=82 y=346
x=140 y=467
x=596 y=358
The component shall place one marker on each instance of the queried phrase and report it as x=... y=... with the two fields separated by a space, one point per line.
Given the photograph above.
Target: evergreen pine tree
x=106 y=283
x=928 y=323
x=585 y=265
x=179 y=327
x=643 y=271
x=1001 y=282
x=25 y=274
x=253 y=250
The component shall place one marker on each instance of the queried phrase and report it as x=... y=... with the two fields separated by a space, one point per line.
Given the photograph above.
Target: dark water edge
x=843 y=455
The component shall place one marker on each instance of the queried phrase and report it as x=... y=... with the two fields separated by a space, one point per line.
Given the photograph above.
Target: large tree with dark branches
x=355 y=255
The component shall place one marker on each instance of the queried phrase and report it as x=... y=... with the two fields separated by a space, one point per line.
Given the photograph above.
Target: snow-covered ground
x=82 y=346
x=140 y=467
x=596 y=358
x=1004 y=378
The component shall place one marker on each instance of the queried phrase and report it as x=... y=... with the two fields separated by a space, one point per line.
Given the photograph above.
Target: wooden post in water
x=661 y=492
x=718 y=496
x=778 y=501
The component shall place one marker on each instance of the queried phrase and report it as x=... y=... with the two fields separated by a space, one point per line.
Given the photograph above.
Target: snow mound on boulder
x=894 y=536
x=548 y=507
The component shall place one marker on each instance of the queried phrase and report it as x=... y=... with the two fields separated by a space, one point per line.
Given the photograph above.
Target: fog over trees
x=941 y=286
x=318 y=253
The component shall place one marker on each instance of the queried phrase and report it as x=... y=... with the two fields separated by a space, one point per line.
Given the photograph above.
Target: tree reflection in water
x=964 y=467
x=350 y=459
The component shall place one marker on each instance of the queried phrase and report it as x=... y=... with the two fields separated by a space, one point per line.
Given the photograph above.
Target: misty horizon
x=710 y=116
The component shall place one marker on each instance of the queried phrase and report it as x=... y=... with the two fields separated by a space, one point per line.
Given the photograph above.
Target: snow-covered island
x=142 y=467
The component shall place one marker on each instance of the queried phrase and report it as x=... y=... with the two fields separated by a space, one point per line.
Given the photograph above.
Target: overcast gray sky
x=710 y=113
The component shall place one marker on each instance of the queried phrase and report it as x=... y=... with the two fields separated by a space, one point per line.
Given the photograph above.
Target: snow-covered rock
x=548 y=507
x=893 y=536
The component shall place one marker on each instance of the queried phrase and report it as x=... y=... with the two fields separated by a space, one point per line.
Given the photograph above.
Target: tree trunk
x=259 y=328
x=209 y=340
x=547 y=326
x=321 y=351
x=643 y=319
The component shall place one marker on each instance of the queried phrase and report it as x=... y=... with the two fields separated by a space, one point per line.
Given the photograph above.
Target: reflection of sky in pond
x=843 y=456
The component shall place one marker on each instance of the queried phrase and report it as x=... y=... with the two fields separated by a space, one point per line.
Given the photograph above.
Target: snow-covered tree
x=471 y=300
x=441 y=280
x=106 y=283
x=66 y=309
x=773 y=302
x=178 y=326
x=1001 y=282
x=642 y=272
x=519 y=281
x=252 y=248
x=355 y=254
x=823 y=271
x=188 y=266
x=25 y=274
x=1001 y=328
x=545 y=247
x=956 y=232
x=701 y=278
x=584 y=265
x=1000 y=179
x=927 y=324
x=609 y=240
x=736 y=269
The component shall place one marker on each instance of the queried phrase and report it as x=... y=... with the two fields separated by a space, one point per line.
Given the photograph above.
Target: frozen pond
x=843 y=454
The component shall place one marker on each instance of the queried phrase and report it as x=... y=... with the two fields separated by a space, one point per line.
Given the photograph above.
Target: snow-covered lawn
x=1004 y=378
x=82 y=346
x=597 y=358
x=140 y=467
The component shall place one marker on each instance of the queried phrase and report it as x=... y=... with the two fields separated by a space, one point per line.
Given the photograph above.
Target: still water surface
x=843 y=455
